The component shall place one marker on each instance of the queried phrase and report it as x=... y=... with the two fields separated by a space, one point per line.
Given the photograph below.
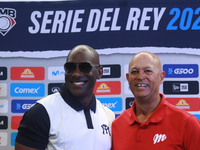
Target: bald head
x=145 y=76
x=80 y=49
x=144 y=55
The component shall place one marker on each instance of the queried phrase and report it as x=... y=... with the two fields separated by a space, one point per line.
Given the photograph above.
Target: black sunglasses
x=84 y=67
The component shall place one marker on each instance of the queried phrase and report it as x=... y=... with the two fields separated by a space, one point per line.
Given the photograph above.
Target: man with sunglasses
x=71 y=119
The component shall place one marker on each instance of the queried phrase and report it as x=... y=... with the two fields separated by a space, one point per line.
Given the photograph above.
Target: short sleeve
x=191 y=136
x=34 y=128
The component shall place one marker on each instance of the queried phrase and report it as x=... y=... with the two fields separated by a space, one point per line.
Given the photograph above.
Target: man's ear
x=162 y=76
x=127 y=77
x=100 y=71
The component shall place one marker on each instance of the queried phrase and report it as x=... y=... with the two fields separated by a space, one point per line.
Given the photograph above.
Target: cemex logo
x=27 y=89
x=113 y=103
x=7 y=20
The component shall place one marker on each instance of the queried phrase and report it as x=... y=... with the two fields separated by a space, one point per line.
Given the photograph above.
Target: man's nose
x=77 y=71
x=141 y=75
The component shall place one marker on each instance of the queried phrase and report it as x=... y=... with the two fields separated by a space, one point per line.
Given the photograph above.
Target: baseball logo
x=7 y=20
x=5 y=23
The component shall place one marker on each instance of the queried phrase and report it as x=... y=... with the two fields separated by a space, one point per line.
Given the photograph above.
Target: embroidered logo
x=159 y=138
x=106 y=129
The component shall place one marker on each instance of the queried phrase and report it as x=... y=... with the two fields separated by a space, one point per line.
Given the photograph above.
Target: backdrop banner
x=56 y=27
x=36 y=37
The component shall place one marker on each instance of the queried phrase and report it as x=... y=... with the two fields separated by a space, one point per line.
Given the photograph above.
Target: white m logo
x=159 y=137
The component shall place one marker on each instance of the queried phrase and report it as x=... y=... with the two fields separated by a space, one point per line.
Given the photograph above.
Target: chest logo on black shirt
x=159 y=138
x=106 y=129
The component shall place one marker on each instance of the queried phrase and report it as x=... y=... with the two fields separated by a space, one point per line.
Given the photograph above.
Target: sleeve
x=191 y=135
x=34 y=128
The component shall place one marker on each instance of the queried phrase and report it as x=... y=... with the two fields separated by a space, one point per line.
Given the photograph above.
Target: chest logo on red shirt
x=159 y=138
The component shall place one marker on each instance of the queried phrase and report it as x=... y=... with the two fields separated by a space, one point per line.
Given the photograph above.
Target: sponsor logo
x=181 y=70
x=103 y=88
x=111 y=71
x=27 y=73
x=188 y=104
x=13 y=137
x=27 y=89
x=3 y=122
x=3 y=73
x=159 y=138
x=181 y=87
x=3 y=106
x=7 y=20
x=183 y=104
x=21 y=106
x=15 y=120
x=107 y=88
x=56 y=73
x=54 y=87
x=115 y=104
x=3 y=89
x=3 y=138
x=106 y=71
x=129 y=102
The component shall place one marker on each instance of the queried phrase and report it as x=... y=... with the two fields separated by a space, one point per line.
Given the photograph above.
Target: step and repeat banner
x=36 y=37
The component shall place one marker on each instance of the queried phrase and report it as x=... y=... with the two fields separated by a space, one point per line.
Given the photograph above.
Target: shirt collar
x=73 y=102
x=157 y=115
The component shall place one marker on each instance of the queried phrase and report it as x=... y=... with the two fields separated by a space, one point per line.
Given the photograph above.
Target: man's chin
x=141 y=95
x=77 y=94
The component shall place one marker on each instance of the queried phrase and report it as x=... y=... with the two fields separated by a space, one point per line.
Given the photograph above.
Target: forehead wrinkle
x=144 y=68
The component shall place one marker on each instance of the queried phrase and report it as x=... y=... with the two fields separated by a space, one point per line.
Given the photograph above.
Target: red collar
x=157 y=115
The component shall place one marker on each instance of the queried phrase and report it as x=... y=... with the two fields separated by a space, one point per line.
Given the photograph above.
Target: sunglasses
x=84 y=67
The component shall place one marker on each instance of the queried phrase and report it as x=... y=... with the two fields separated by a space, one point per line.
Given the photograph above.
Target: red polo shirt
x=168 y=128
